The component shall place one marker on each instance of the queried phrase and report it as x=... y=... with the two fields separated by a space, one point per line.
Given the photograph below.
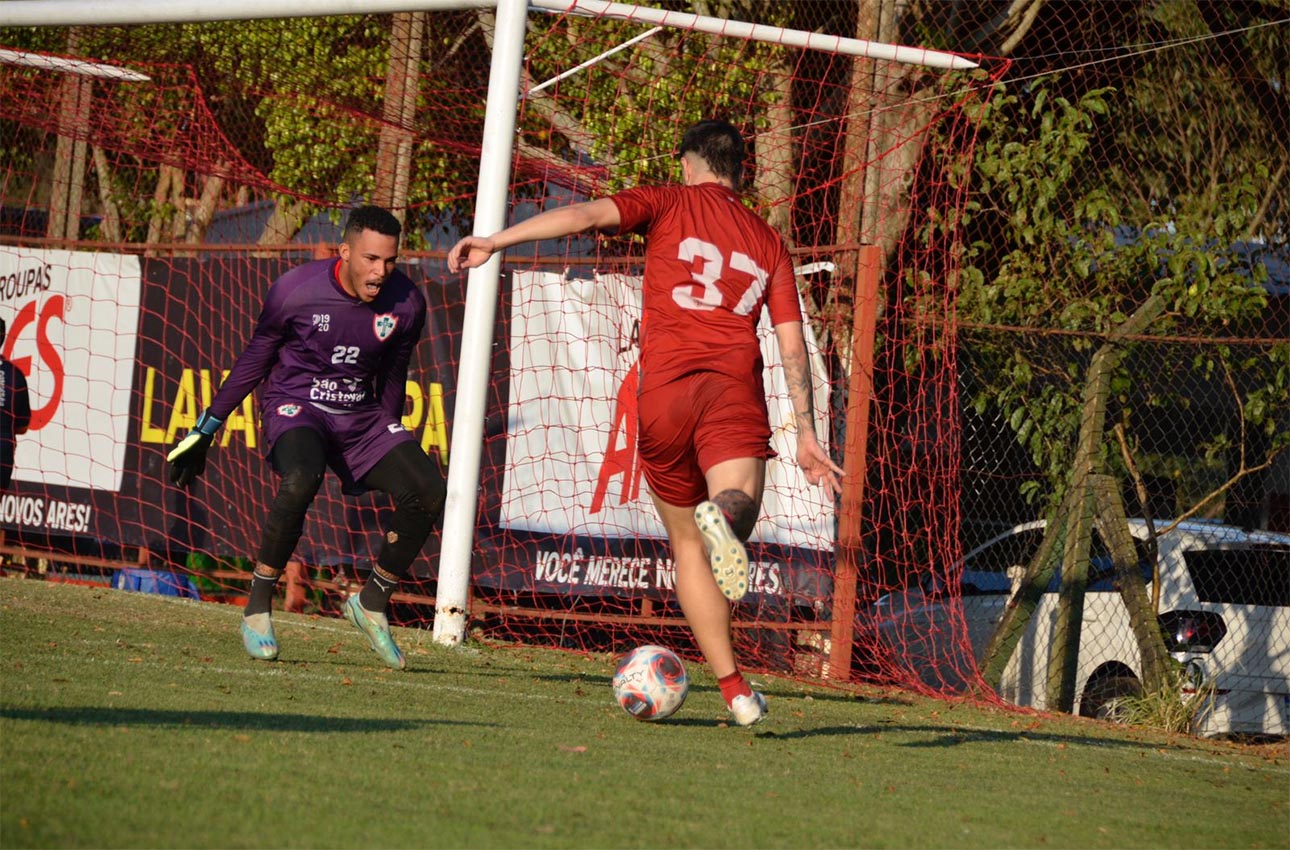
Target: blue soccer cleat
x=377 y=629
x=258 y=637
x=726 y=554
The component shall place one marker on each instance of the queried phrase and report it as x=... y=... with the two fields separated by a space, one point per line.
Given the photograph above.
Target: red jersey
x=711 y=264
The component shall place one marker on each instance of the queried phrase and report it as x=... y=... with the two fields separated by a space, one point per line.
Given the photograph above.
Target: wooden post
x=859 y=396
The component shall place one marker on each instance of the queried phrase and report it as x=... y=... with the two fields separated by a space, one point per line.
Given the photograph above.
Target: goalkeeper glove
x=188 y=460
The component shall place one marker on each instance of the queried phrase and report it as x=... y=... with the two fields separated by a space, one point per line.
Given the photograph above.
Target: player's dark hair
x=372 y=217
x=718 y=144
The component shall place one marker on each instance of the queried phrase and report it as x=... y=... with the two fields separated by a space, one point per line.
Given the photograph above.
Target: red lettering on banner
x=53 y=309
x=621 y=460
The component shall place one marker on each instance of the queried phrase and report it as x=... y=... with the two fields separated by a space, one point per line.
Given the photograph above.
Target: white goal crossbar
x=36 y=13
x=497 y=149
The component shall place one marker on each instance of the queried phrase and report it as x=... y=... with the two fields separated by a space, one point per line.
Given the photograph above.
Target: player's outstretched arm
x=474 y=251
x=811 y=456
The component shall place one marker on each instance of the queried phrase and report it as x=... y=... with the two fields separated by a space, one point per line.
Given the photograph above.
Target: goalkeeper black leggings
x=406 y=473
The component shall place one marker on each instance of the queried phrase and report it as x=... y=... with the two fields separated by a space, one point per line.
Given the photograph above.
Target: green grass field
x=130 y=720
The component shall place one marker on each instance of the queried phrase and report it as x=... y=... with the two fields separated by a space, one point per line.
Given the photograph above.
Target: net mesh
x=143 y=220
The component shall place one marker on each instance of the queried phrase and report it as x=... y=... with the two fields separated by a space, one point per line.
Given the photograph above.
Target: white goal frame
x=497 y=149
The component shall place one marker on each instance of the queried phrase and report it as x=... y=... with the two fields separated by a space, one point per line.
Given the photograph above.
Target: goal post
x=87 y=12
x=497 y=151
x=548 y=109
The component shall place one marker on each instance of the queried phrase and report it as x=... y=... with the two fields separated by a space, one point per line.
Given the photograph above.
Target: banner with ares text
x=122 y=353
x=73 y=319
x=573 y=487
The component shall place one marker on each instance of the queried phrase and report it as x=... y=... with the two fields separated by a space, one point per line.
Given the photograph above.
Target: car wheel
x=1099 y=696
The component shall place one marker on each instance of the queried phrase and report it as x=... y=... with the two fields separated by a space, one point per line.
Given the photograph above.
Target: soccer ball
x=650 y=683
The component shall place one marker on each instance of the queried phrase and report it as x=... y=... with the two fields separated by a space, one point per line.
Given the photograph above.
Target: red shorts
x=691 y=424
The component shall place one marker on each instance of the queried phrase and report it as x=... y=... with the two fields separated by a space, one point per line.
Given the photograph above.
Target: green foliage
x=1085 y=202
x=618 y=103
x=299 y=99
x=1180 y=705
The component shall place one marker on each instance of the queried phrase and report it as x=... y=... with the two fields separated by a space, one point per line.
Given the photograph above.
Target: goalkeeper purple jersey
x=315 y=344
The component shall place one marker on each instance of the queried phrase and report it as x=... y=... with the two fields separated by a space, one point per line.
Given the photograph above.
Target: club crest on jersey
x=384 y=325
x=288 y=410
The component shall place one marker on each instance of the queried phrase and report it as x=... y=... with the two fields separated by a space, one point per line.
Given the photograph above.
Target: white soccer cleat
x=726 y=554
x=748 y=709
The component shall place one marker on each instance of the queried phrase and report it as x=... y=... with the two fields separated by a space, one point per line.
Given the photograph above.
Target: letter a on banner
x=621 y=457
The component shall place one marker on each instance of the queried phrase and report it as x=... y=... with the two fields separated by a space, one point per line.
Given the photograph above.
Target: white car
x=1224 y=608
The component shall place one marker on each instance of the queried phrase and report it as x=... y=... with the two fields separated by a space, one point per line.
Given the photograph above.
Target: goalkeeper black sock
x=263 y=584
x=375 y=595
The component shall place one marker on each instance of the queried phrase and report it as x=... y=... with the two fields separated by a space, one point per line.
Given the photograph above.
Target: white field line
x=272 y=670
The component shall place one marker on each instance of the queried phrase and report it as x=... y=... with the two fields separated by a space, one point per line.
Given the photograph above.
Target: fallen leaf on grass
x=347 y=681
x=578 y=749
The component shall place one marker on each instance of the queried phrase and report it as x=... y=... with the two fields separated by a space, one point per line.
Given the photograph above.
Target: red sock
x=734 y=685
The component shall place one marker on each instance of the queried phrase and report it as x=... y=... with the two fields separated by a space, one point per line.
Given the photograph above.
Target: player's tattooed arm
x=797 y=375
x=811 y=456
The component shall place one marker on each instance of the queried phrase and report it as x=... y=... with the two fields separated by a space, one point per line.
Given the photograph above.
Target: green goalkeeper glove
x=188 y=460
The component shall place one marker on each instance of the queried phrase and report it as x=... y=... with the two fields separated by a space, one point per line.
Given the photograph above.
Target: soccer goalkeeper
x=711 y=265
x=332 y=346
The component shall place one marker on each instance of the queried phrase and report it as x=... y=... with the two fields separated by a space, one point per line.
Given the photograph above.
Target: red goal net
x=143 y=219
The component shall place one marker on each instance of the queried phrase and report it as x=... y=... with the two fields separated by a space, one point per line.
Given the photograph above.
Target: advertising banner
x=73 y=318
x=124 y=353
x=573 y=483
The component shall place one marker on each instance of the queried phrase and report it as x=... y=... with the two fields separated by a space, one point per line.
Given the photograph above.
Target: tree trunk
x=1063 y=648
x=110 y=229
x=69 y=153
x=1073 y=516
x=774 y=150
x=1114 y=528
x=855 y=157
x=160 y=198
x=289 y=214
x=1063 y=654
x=1016 y=614
x=202 y=211
x=402 y=79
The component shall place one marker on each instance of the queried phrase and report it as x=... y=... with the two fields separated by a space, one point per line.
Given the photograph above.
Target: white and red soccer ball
x=650 y=683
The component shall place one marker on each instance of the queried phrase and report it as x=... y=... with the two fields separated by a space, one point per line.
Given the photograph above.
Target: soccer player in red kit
x=711 y=265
